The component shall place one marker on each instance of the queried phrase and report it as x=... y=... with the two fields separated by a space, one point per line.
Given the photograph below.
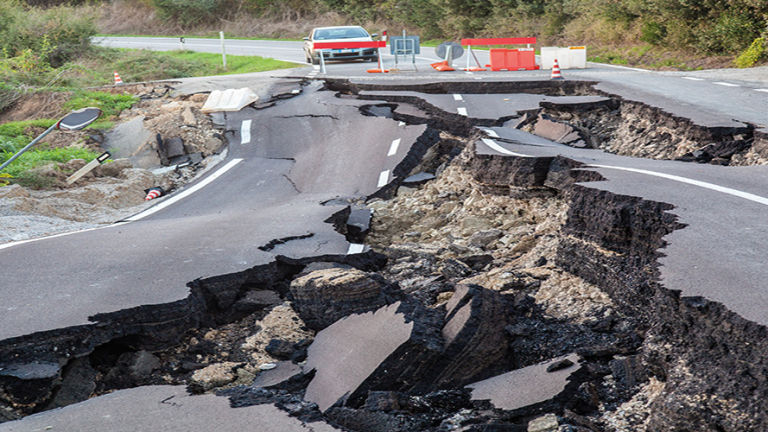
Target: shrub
x=111 y=104
x=188 y=12
x=751 y=55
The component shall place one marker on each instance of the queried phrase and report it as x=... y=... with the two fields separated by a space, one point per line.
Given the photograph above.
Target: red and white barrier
x=349 y=45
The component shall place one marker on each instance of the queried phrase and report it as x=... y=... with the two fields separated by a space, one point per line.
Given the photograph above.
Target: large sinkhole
x=486 y=276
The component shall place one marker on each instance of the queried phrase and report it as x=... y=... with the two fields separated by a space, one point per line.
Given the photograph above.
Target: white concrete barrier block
x=229 y=100
x=567 y=58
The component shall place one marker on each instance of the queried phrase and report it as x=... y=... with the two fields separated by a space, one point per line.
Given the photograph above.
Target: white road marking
x=402 y=123
x=393 y=147
x=726 y=84
x=175 y=198
x=694 y=78
x=245 y=132
x=492 y=144
x=355 y=248
x=762 y=90
x=737 y=193
x=491 y=133
x=16 y=243
x=383 y=178
x=458 y=97
x=462 y=110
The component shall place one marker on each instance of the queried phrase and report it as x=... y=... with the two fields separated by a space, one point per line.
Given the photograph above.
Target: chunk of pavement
x=474 y=337
x=169 y=149
x=418 y=178
x=486 y=237
x=133 y=141
x=546 y=423
x=77 y=385
x=166 y=408
x=386 y=350
x=31 y=371
x=382 y=401
x=256 y=300
x=525 y=387
x=359 y=222
x=282 y=374
x=323 y=297
x=559 y=132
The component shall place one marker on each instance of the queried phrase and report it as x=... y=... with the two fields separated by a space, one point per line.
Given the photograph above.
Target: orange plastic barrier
x=513 y=59
x=509 y=59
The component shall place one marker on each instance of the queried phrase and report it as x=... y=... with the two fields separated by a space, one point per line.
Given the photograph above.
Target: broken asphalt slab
x=162 y=408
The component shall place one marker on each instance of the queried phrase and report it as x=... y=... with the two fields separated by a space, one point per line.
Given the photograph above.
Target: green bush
x=188 y=12
x=110 y=104
x=751 y=55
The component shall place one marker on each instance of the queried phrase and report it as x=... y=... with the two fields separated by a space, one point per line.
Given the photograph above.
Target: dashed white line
x=762 y=90
x=355 y=248
x=393 y=147
x=694 y=78
x=458 y=97
x=383 y=178
x=737 y=193
x=245 y=132
x=401 y=124
x=462 y=110
x=208 y=180
x=726 y=84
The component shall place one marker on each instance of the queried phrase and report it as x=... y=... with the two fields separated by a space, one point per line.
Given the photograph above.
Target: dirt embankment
x=117 y=188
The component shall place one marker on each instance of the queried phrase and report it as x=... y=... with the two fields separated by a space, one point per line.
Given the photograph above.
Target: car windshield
x=340 y=33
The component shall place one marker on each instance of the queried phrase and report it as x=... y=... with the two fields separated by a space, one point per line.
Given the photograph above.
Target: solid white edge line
x=383 y=178
x=175 y=198
x=726 y=84
x=245 y=132
x=355 y=248
x=737 y=193
x=492 y=144
x=462 y=111
x=393 y=147
x=20 y=242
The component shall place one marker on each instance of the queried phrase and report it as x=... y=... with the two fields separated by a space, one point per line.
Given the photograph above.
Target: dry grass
x=135 y=18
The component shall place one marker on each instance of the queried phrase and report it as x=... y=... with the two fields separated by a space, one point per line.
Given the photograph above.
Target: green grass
x=211 y=64
x=110 y=104
x=21 y=169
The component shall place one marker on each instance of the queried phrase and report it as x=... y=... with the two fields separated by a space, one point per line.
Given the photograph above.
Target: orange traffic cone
x=117 y=79
x=154 y=193
x=556 y=71
x=442 y=66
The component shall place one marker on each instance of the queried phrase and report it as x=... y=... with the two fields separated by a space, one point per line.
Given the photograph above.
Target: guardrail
x=347 y=45
x=510 y=59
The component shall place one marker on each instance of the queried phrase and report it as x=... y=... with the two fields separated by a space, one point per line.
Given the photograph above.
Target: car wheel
x=307 y=58
x=315 y=60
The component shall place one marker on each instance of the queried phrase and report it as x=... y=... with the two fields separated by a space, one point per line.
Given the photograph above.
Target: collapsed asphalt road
x=512 y=286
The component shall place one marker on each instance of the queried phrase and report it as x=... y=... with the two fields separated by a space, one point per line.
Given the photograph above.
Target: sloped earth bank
x=499 y=295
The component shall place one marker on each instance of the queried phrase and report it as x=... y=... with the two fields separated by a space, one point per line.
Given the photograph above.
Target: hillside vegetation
x=656 y=33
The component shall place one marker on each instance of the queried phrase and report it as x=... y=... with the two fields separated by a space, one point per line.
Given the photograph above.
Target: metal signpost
x=73 y=121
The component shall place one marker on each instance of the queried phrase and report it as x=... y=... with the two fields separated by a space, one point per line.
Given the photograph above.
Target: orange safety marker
x=442 y=66
x=556 y=71
x=118 y=80
x=154 y=193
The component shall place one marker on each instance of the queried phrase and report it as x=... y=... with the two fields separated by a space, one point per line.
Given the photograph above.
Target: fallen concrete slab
x=162 y=408
x=527 y=386
x=387 y=349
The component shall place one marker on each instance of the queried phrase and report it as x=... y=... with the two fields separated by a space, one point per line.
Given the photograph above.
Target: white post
x=223 y=51
x=469 y=54
x=322 y=62
x=181 y=40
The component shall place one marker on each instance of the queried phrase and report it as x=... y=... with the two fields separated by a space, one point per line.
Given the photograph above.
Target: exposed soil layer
x=499 y=264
